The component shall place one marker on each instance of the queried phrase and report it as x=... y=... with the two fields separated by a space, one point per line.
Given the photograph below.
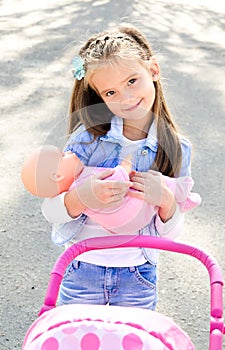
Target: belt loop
x=131 y=268
x=76 y=264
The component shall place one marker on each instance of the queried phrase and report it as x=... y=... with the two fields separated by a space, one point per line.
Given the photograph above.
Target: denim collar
x=115 y=134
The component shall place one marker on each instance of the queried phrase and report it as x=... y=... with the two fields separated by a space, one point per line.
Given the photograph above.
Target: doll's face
x=70 y=165
x=68 y=170
x=48 y=171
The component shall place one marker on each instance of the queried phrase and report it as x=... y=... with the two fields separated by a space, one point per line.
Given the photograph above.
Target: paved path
x=37 y=46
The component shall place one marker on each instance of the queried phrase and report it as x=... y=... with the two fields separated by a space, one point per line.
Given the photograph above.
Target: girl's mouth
x=132 y=108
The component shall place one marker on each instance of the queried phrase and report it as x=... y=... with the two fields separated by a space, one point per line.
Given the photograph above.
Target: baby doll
x=48 y=172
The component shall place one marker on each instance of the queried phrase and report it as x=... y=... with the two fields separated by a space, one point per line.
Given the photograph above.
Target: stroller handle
x=118 y=241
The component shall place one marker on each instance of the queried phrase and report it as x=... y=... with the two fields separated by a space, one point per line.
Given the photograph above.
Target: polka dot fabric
x=96 y=335
x=95 y=327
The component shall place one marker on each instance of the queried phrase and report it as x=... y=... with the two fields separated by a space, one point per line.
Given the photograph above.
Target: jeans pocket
x=146 y=274
x=74 y=265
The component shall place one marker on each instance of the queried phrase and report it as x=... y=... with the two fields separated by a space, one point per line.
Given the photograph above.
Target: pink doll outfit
x=134 y=213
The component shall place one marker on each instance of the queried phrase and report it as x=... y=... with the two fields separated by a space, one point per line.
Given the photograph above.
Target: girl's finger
x=104 y=174
x=154 y=172
x=136 y=194
x=119 y=184
x=117 y=197
x=116 y=192
x=138 y=186
x=135 y=173
x=138 y=179
x=139 y=175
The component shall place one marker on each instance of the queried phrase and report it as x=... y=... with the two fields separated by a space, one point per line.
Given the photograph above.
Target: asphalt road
x=38 y=42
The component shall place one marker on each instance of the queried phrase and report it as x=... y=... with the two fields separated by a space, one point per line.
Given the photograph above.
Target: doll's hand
x=151 y=187
x=96 y=192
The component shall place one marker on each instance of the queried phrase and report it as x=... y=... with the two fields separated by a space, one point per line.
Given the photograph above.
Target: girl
x=118 y=108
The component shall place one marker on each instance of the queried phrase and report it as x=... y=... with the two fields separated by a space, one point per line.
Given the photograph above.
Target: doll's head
x=48 y=171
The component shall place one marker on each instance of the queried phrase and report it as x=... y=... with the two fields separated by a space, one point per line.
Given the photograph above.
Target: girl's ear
x=154 y=68
x=56 y=177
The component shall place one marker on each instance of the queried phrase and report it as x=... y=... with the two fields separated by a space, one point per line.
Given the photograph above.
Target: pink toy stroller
x=92 y=327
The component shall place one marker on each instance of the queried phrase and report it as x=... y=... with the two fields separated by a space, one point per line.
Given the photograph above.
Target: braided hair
x=88 y=108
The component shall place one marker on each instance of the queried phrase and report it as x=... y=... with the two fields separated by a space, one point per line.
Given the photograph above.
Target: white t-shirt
x=130 y=147
x=116 y=257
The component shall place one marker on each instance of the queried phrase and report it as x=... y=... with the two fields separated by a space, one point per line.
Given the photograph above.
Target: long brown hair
x=88 y=108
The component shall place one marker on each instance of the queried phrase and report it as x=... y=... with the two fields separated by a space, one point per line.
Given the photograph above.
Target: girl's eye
x=110 y=93
x=131 y=81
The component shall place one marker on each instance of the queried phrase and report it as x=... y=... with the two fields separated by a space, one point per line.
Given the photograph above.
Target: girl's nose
x=126 y=99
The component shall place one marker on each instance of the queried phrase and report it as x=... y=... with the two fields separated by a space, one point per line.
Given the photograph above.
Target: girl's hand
x=94 y=193
x=151 y=187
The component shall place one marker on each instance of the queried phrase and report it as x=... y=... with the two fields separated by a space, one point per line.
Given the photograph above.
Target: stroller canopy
x=94 y=327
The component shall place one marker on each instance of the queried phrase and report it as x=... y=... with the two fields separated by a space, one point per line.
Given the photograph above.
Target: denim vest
x=105 y=152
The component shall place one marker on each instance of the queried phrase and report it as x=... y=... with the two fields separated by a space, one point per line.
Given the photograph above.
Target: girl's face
x=127 y=88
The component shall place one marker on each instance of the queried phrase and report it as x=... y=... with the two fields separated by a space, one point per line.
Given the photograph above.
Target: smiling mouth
x=132 y=108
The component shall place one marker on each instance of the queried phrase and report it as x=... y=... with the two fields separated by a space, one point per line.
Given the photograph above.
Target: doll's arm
x=181 y=188
x=126 y=163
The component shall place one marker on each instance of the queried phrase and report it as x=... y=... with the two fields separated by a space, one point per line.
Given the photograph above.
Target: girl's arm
x=169 y=220
x=54 y=209
x=93 y=193
x=175 y=225
x=168 y=205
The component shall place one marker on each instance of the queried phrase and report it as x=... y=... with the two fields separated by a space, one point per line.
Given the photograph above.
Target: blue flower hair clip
x=78 y=68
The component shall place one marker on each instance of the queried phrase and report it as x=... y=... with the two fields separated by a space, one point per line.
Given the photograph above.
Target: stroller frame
x=217 y=327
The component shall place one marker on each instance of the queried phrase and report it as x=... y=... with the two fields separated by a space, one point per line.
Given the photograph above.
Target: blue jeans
x=85 y=283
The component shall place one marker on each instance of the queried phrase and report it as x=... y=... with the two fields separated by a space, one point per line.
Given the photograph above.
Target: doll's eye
x=110 y=93
x=132 y=81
